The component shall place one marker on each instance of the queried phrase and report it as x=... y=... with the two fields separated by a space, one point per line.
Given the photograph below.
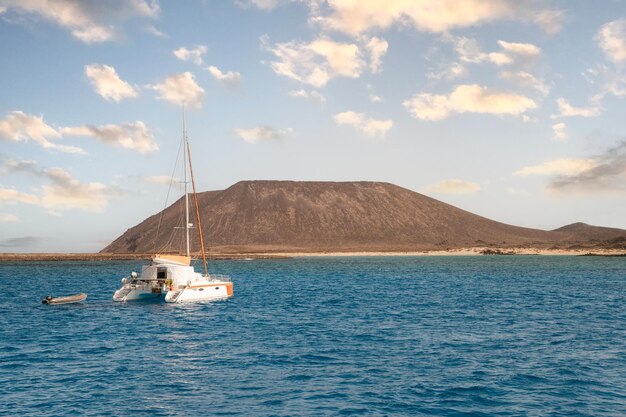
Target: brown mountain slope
x=585 y=235
x=328 y=216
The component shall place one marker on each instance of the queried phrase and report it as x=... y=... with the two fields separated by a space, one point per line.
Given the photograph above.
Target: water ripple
x=453 y=336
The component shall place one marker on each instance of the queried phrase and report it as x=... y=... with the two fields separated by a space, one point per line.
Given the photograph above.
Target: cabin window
x=161 y=273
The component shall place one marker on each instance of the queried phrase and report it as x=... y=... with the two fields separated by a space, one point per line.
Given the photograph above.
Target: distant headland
x=293 y=217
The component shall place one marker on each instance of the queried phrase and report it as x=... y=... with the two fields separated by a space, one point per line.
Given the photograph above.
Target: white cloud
x=18 y=126
x=8 y=218
x=317 y=62
x=62 y=191
x=527 y=50
x=66 y=193
x=610 y=79
x=180 y=89
x=562 y=166
x=511 y=53
x=607 y=173
x=356 y=17
x=155 y=32
x=194 y=55
x=108 y=84
x=471 y=98
x=262 y=133
x=375 y=99
x=559 y=132
x=567 y=110
x=11 y=196
x=22 y=166
x=361 y=122
x=311 y=94
x=453 y=186
x=90 y=21
x=377 y=48
x=525 y=79
x=230 y=78
x=133 y=136
x=612 y=39
x=261 y=4
x=448 y=72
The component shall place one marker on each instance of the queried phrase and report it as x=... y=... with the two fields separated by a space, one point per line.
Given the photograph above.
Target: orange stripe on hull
x=229 y=287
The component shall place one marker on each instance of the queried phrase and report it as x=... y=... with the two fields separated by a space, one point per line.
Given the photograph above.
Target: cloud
x=448 y=72
x=8 y=218
x=453 y=186
x=90 y=21
x=20 y=242
x=11 y=196
x=262 y=133
x=155 y=32
x=562 y=166
x=527 y=50
x=62 y=191
x=11 y=166
x=611 y=80
x=376 y=48
x=471 y=98
x=18 y=126
x=375 y=99
x=108 y=84
x=194 y=55
x=311 y=95
x=356 y=17
x=180 y=89
x=607 y=174
x=133 y=136
x=604 y=172
x=67 y=193
x=261 y=4
x=361 y=122
x=511 y=53
x=230 y=78
x=525 y=79
x=316 y=63
x=559 y=132
x=567 y=110
x=612 y=40
x=21 y=127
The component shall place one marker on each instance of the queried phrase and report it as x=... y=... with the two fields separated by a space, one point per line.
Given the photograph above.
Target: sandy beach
x=476 y=251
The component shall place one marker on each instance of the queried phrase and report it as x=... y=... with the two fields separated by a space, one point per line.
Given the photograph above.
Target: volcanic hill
x=266 y=216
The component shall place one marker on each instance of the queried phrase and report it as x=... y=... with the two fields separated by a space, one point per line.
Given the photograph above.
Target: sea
x=364 y=336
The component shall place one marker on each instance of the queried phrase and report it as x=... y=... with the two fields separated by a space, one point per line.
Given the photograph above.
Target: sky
x=510 y=109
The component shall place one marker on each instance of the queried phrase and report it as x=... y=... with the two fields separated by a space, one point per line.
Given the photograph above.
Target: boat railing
x=220 y=277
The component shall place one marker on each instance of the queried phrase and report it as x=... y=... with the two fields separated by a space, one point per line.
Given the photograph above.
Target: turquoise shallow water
x=450 y=336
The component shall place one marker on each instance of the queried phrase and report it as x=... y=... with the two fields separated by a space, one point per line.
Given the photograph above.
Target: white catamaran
x=173 y=275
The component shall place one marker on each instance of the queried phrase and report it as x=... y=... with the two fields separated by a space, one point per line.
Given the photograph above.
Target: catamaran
x=173 y=277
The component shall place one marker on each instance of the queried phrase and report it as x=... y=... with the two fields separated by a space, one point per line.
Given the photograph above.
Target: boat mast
x=185 y=180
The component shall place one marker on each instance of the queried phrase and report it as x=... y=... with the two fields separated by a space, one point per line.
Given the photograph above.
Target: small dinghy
x=76 y=298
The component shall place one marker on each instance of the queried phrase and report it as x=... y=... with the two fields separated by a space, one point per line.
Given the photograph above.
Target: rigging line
x=195 y=199
x=169 y=188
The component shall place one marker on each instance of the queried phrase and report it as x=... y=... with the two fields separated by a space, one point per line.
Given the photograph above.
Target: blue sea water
x=445 y=336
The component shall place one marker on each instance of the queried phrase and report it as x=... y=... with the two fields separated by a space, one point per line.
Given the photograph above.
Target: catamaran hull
x=201 y=292
x=135 y=295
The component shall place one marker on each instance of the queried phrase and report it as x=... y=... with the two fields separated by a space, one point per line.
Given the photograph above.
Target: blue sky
x=510 y=109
